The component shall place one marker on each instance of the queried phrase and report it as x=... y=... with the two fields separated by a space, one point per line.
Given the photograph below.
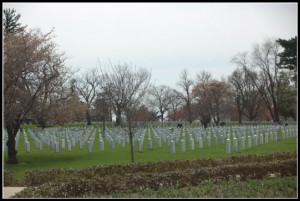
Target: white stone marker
x=69 y=145
x=172 y=146
x=216 y=140
x=149 y=143
x=261 y=138
x=101 y=145
x=62 y=143
x=192 y=144
x=159 y=142
x=27 y=146
x=139 y=145
x=40 y=145
x=228 y=146
x=183 y=145
x=56 y=147
x=90 y=146
x=276 y=136
x=235 y=145
x=266 y=137
x=208 y=141
x=200 y=143
x=283 y=135
x=123 y=142
x=112 y=142
x=243 y=143
x=80 y=143
x=271 y=136
x=255 y=140
x=222 y=139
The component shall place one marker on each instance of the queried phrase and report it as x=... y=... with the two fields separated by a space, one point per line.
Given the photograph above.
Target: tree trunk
x=240 y=116
x=276 y=113
x=118 y=118
x=88 y=117
x=42 y=122
x=12 y=130
x=162 y=116
x=190 y=117
x=131 y=142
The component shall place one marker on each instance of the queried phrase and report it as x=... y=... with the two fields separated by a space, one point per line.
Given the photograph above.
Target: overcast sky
x=165 y=38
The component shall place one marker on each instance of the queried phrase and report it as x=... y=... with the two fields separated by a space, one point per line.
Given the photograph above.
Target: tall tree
x=126 y=88
x=288 y=58
x=176 y=102
x=246 y=97
x=211 y=98
x=287 y=97
x=11 y=22
x=265 y=59
x=237 y=84
x=160 y=98
x=186 y=84
x=26 y=55
x=203 y=108
x=87 y=87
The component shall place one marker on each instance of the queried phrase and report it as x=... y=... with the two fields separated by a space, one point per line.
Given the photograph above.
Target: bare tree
x=211 y=98
x=31 y=63
x=186 y=84
x=265 y=59
x=203 y=108
x=176 y=102
x=237 y=83
x=252 y=98
x=126 y=89
x=87 y=87
x=160 y=98
x=203 y=77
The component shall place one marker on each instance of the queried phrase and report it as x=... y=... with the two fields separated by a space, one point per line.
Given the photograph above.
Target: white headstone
x=90 y=147
x=69 y=145
x=235 y=145
x=261 y=139
x=228 y=146
x=172 y=146
x=255 y=140
x=62 y=143
x=200 y=143
x=101 y=145
x=56 y=147
x=139 y=145
x=27 y=146
x=243 y=143
x=183 y=145
x=149 y=143
x=192 y=144
x=208 y=141
x=216 y=140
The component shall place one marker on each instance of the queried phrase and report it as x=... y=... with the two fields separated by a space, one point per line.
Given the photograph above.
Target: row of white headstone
x=57 y=139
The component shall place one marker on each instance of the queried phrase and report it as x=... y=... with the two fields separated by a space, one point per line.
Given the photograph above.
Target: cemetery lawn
x=77 y=158
x=277 y=187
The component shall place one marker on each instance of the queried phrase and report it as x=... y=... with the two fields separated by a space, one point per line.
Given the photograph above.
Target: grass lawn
x=77 y=158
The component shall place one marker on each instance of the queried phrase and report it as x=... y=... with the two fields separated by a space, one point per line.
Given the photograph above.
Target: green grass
x=81 y=158
x=278 y=187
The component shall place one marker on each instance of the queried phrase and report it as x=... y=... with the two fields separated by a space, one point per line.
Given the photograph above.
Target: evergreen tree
x=288 y=58
x=10 y=22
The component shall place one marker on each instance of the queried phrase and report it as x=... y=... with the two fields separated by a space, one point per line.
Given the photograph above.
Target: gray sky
x=165 y=38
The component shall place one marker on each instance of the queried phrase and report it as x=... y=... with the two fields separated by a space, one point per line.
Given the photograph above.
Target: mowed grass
x=80 y=158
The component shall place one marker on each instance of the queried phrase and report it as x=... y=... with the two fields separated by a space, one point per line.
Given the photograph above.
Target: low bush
x=37 y=177
x=9 y=178
x=84 y=184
